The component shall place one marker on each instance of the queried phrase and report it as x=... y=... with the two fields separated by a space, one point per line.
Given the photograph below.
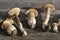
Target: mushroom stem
x=47 y=16
x=45 y=23
x=20 y=26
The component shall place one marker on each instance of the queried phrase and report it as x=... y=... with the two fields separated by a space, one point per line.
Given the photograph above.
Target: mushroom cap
x=32 y=10
x=48 y=5
x=14 y=11
x=55 y=24
x=9 y=20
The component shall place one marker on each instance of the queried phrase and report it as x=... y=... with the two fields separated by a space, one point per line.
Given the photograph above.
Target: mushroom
x=31 y=14
x=9 y=27
x=55 y=27
x=14 y=12
x=47 y=9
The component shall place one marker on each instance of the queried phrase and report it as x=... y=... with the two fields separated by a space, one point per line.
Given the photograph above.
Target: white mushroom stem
x=31 y=20
x=20 y=26
x=47 y=17
x=32 y=23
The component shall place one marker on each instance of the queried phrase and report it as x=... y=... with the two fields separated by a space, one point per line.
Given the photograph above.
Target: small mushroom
x=9 y=27
x=55 y=27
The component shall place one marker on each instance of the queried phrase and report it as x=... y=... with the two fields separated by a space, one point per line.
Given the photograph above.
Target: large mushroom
x=31 y=14
x=47 y=9
x=15 y=12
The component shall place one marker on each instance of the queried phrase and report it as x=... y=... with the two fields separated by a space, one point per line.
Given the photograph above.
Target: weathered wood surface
x=27 y=3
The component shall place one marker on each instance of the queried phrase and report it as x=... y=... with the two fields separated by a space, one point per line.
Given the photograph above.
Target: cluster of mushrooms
x=31 y=13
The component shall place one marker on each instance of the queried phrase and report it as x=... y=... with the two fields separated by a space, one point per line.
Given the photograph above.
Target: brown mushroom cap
x=32 y=10
x=48 y=5
x=14 y=11
x=55 y=24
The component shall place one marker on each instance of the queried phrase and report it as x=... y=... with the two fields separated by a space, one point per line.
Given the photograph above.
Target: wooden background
x=27 y=3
